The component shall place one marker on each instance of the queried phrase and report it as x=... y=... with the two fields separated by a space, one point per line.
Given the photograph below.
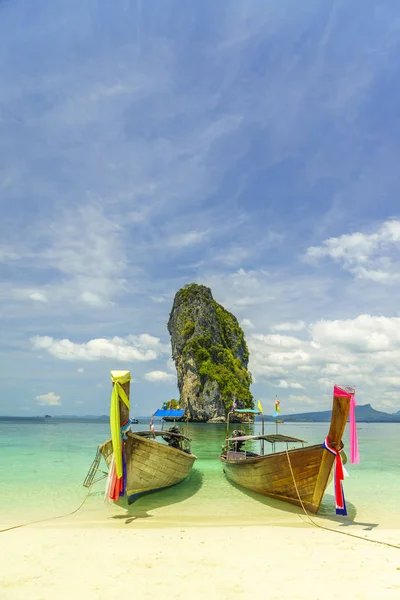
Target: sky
x=248 y=146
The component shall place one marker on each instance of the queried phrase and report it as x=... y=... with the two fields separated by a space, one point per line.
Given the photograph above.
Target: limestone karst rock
x=210 y=355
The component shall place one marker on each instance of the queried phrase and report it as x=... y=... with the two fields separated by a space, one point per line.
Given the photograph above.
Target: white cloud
x=160 y=376
x=131 y=349
x=87 y=249
x=38 y=297
x=372 y=256
x=393 y=381
x=296 y=326
x=80 y=370
x=92 y=299
x=249 y=278
x=7 y=254
x=146 y=340
x=365 y=332
x=247 y=324
x=287 y=384
x=162 y=298
x=189 y=238
x=27 y=293
x=268 y=297
x=84 y=249
x=287 y=359
x=277 y=340
x=233 y=255
x=50 y=399
x=364 y=351
x=302 y=399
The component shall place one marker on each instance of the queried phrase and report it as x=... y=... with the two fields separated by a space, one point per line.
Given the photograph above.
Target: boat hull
x=299 y=476
x=271 y=475
x=150 y=465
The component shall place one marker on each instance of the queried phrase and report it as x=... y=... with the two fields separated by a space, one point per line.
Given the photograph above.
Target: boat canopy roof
x=169 y=413
x=272 y=438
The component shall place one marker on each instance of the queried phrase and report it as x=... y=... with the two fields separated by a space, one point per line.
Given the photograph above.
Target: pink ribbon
x=354 y=454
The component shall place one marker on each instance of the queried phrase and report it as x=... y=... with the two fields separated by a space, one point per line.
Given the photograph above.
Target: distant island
x=364 y=414
x=55 y=418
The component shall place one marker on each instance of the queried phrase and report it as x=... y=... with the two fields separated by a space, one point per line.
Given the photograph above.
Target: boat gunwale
x=146 y=440
x=255 y=459
x=273 y=438
x=161 y=445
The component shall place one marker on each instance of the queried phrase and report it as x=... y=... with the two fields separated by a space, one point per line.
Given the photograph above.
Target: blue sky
x=249 y=146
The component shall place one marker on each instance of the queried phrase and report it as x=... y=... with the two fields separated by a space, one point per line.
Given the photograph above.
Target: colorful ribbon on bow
x=341 y=393
x=117 y=485
x=338 y=478
x=125 y=427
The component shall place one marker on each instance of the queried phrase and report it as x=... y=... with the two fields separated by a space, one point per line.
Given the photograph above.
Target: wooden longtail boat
x=149 y=464
x=152 y=466
x=278 y=474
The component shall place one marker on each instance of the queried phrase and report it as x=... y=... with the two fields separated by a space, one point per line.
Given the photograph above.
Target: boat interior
x=236 y=448
x=172 y=437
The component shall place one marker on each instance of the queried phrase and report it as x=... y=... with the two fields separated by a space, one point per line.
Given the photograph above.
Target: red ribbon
x=338 y=478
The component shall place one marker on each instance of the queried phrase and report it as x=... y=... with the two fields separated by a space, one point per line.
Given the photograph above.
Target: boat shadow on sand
x=155 y=500
x=326 y=512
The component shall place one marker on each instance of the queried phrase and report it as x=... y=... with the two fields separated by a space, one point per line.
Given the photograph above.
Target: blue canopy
x=169 y=413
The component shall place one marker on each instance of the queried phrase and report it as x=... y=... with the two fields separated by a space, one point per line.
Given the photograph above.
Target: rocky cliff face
x=210 y=355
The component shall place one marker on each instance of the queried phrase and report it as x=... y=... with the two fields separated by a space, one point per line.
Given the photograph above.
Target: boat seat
x=236 y=455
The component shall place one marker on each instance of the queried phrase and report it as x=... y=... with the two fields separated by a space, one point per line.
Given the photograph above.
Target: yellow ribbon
x=115 y=420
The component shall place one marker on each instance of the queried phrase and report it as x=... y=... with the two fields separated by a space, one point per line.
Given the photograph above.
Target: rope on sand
x=354 y=535
x=50 y=518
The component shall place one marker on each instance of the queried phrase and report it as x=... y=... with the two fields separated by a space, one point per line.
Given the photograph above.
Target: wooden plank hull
x=278 y=475
x=150 y=465
x=271 y=476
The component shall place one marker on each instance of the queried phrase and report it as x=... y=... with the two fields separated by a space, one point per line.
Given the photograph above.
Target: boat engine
x=237 y=446
x=171 y=439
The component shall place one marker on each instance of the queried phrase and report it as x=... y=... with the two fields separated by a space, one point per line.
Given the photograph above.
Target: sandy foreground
x=74 y=562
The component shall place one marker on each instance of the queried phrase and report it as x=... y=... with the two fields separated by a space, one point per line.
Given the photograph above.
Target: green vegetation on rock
x=188 y=329
x=219 y=364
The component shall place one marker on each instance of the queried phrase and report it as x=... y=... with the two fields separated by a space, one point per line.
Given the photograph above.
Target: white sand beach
x=64 y=561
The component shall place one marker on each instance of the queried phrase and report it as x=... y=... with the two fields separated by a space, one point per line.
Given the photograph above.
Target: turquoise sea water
x=43 y=465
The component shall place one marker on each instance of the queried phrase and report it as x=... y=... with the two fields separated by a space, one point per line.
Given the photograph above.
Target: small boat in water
x=298 y=475
x=141 y=462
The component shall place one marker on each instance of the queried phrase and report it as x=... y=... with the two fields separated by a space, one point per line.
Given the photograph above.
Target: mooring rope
x=50 y=518
x=354 y=535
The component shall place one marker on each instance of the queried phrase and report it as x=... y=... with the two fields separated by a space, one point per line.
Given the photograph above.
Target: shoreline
x=147 y=517
x=169 y=508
